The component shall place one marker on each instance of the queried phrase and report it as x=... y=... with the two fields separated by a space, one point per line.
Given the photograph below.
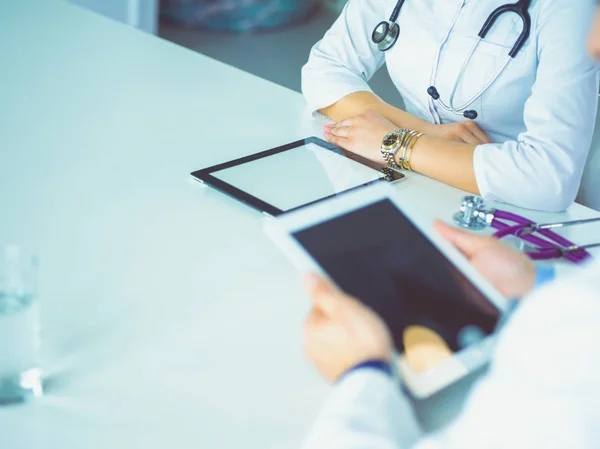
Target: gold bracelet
x=405 y=143
x=409 y=151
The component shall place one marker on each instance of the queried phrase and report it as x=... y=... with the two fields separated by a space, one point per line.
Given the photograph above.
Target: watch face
x=390 y=140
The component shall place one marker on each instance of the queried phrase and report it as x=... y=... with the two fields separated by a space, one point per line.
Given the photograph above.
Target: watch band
x=385 y=150
x=389 y=152
x=403 y=135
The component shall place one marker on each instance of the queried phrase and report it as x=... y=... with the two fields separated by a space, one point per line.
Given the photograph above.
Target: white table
x=170 y=319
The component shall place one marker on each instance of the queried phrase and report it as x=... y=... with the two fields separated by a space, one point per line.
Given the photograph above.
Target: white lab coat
x=540 y=113
x=542 y=391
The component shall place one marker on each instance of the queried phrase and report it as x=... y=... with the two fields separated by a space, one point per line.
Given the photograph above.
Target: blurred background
x=268 y=38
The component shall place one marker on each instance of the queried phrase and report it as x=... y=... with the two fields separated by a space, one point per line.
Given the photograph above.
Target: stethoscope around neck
x=386 y=34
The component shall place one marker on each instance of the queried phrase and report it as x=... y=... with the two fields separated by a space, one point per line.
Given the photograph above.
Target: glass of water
x=20 y=374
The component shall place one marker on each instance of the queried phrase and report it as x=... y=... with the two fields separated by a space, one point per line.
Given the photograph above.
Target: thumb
x=466 y=242
x=325 y=296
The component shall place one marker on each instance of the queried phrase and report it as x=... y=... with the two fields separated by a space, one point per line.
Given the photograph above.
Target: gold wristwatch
x=390 y=144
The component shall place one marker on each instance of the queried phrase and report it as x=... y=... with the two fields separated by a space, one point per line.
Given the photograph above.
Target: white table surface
x=170 y=320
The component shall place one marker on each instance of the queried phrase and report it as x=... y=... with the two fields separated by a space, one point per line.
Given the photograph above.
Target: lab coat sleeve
x=366 y=410
x=543 y=388
x=345 y=59
x=543 y=168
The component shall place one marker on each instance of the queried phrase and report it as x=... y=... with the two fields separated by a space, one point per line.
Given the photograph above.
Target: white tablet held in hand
x=440 y=311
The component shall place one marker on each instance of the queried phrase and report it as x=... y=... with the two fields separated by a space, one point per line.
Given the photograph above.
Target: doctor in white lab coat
x=529 y=142
x=542 y=390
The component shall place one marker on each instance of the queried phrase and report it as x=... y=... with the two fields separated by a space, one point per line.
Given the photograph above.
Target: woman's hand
x=340 y=332
x=361 y=134
x=510 y=272
x=466 y=132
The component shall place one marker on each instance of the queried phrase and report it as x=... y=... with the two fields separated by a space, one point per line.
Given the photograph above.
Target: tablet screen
x=298 y=176
x=379 y=256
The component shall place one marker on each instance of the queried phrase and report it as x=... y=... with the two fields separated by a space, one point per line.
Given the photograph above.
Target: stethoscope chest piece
x=469 y=214
x=385 y=35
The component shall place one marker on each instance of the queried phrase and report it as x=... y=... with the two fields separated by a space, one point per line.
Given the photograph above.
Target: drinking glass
x=20 y=374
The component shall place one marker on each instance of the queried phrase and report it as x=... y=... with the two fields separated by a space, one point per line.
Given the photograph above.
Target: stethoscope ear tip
x=433 y=92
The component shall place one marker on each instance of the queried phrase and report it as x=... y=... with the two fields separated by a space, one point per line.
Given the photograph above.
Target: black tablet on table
x=294 y=175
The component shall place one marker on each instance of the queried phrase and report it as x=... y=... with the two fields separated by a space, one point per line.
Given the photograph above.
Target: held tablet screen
x=378 y=255
x=294 y=175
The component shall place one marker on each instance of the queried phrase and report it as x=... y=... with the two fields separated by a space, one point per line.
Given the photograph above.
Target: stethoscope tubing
x=504 y=230
x=396 y=11
x=548 y=250
x=382 y=37
x=557 y=253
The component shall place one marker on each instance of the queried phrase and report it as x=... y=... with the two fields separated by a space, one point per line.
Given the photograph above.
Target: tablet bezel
x=420 y=385
x=205 y=175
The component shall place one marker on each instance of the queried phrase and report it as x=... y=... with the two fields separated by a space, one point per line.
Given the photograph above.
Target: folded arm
x=541 y=169
x=335 y=80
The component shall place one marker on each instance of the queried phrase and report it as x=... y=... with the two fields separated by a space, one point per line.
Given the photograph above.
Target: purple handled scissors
x=474 y=215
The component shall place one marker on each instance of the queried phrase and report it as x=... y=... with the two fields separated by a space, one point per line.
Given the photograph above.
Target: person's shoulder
x=563 y=25
x=547 y=9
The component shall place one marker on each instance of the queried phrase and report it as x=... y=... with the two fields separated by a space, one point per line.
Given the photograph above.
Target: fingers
x=466 y=242
x=346 y=122
x=467 y=136
x=312 y=321
x=478 y=133
x=326 y=298
x=340 y=131
x=469 y=132
x=311 y=333
x=342 y=142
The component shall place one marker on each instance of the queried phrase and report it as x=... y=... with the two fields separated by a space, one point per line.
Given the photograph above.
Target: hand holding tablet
x=341 y=333
x=427 y=294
